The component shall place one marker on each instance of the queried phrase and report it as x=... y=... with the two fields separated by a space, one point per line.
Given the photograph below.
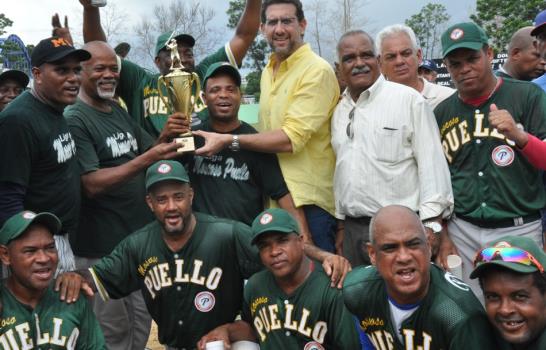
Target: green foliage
x=4 y=23
x=501 y=18
x=253 y=84
x=428 y=25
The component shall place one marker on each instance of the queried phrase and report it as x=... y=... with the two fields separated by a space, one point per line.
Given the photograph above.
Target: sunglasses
x=508 y=254
x=350 y=129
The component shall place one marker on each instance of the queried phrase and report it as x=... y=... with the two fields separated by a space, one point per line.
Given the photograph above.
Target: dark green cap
x=165 y=170
x=274 y=220
x=523 y=243
x=222 y=67
x=466 y=35
x=164 y=39
x=18 y=223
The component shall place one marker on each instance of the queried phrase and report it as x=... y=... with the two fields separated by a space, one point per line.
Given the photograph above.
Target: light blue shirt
x=541 y=81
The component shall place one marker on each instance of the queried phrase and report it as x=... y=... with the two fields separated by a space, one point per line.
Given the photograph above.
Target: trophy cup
x=179 y=84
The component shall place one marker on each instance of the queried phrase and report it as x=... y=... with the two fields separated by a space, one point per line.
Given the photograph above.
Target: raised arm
x=246 y=30
x=92 y=30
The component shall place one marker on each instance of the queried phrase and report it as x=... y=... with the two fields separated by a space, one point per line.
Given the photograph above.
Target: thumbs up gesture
x=502 y=120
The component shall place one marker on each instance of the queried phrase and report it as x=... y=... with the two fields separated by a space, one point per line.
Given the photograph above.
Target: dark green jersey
x=105 y=140
x=52 y=325
x=38 y=153
x=243 y=179
x=449 y=317
x=138 y=88
x=491 y=178
x=537 y=344
x=312 y=317
x=190 y=292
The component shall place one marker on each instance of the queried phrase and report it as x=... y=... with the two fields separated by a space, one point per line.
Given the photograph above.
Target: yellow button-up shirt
x=300 y=99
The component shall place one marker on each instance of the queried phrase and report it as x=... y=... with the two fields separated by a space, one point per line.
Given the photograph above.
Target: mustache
x=358 y=70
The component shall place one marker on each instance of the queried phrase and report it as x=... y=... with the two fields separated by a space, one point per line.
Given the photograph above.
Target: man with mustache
x=37 y=151
x=387 y=149
x=33 y=317
x=113 y=152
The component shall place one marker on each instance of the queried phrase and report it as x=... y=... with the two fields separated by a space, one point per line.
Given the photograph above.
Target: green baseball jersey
x=52 y=325
x=138 y=88
x=189 y=292
x=39 y=153
x=491 y=178
x=312 y=317
x=449 y=317
x=244 y=177
x=106 y=140
x=537 y=344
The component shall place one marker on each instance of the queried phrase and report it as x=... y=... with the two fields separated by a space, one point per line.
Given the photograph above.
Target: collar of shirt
x=294 y=57
x=366 y=94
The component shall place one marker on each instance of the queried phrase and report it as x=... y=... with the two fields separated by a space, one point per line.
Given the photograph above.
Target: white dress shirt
x=394 y=157
x=434 y=93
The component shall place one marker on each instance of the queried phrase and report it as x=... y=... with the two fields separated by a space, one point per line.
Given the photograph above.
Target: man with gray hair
x=400 y=56
x=386 y=133
x=524 y=61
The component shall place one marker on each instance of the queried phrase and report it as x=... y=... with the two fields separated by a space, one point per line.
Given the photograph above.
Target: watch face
x=434 y=226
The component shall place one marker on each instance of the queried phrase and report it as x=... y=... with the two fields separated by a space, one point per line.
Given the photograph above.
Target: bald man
x=113 y=153
x=524 y=60
x=404 y=301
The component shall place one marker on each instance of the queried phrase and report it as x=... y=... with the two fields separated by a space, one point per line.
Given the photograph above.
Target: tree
x=191 y=17
x=428 y=25
x=501 y=18
x=4 y=23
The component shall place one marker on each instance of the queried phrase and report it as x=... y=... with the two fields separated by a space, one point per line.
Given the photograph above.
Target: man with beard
x=37 y=152
x=406 y=302
x=189 y=266
x=138 y=87
x=113 y=153
x=386 y=133
x=299 y=91
x=511 y=275
x=33 y=317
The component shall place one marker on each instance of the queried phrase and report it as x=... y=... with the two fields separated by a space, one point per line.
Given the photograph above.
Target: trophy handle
x=164 y=99
x=195 y=79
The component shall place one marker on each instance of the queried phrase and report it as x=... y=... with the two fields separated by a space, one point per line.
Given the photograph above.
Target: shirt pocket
x=391 y=145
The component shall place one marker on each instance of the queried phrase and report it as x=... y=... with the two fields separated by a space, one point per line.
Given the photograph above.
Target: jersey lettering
x=266 y=320
x=121 y=143
x=20 y=339
x=377 y=340
x=65 y=147
x=410 y=342
x=159 y=276
x=455 y=134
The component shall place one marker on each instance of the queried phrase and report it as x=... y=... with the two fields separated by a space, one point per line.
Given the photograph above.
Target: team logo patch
x=266 y=219
x=456 y=282
x=503 y=155
x=204 y=301
x=29 y=215
x=164 y=168
x=456 y=34
x=313 y=345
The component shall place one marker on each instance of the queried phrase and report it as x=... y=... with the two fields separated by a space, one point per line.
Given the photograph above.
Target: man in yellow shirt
x=299 y=92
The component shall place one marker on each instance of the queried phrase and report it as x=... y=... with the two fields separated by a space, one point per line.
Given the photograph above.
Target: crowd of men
x=373 y=167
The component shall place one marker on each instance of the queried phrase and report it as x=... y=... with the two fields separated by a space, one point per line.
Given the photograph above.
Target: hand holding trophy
x=179 y=86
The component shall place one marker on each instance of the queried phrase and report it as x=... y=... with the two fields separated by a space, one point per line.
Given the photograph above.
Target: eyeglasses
x=285 y=22
x=508 y=254
x=350 y=129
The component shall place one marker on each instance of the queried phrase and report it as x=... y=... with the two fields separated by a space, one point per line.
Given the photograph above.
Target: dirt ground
x=153 y=343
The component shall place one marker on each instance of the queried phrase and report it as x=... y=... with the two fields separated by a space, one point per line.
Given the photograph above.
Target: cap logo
x=164 y=168
x=59 y=42
x=29 y=215
x=456 y=34
x=502 y=245
x=266 y=219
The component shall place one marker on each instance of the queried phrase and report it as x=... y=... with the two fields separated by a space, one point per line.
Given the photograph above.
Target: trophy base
x=187 y=144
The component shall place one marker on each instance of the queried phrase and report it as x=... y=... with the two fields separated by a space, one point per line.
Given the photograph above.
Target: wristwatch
x=436 y=227
x=235 y=145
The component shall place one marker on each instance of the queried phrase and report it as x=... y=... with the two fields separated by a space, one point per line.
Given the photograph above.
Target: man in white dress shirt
x=400 y=57
x=387 y=147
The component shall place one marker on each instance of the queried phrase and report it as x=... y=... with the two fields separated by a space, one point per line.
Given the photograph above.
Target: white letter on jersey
x=319 y=331
x=164 y=275
x=288 y=323
x=57 y=339
x=195 y=278
x=303 y=323
x=273 y=311
x=214 y=278
x=71 y=345
x=22 y=331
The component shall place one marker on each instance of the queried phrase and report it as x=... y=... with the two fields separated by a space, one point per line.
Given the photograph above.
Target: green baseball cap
x=164 y=39
x=18 y=224
x=273 y=220
x=165 y=170
x=466 y=35
x=222 y=67
x=523 y=243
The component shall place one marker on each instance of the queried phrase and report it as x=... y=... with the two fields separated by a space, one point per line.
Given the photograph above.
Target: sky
x=32 y=18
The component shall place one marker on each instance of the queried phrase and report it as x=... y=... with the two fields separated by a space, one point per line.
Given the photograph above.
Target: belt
x=518 y=221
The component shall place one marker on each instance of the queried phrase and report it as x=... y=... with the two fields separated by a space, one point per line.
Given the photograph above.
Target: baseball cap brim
x=47 y=219
x=15 y=75
x=164 y=178
x=224 y=68
x=520 y=268
x=538 y=29
x=476 y=46
x=274 y=228
x=80 y=54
